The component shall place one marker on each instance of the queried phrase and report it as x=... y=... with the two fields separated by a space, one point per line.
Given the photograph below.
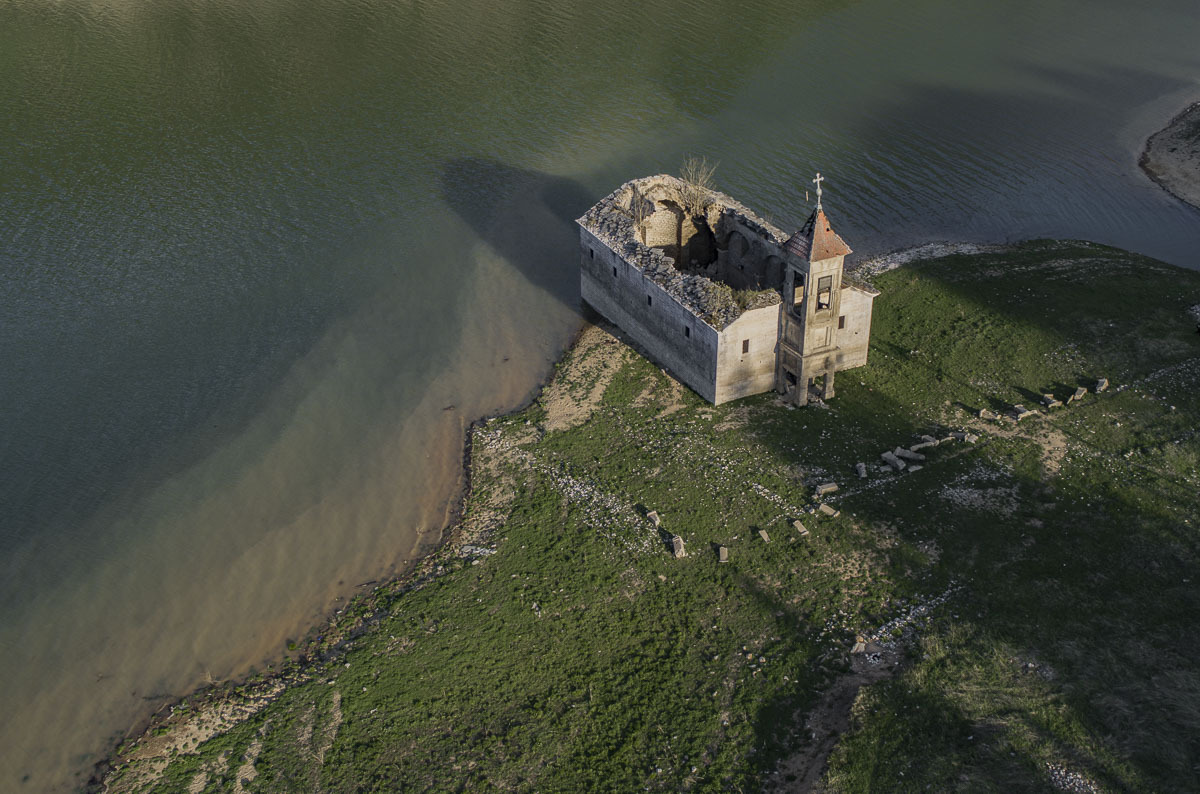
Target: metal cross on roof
x=818 y=182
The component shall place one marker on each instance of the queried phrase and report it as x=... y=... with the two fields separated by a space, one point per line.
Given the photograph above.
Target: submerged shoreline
x=187 y=719
x=1171 y=156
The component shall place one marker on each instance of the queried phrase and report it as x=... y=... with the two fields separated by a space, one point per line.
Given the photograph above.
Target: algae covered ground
x=1029 y=599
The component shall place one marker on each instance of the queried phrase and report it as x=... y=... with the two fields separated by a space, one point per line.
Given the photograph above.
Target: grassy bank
x=1028 y=597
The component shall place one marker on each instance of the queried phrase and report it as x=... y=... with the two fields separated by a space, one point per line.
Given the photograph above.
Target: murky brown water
x=253 y=251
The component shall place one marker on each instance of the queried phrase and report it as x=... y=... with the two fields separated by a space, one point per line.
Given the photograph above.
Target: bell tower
x=809 y=315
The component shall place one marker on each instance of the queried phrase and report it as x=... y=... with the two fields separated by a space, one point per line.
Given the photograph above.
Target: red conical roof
x=817 y=240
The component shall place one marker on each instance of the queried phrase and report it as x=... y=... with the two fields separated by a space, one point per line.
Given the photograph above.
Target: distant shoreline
x=1171 y=157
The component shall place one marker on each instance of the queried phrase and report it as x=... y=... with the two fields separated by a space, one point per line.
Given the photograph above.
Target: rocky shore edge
x=1171 y=156
x=188 y=720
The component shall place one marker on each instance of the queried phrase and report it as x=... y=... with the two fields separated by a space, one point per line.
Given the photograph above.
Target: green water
x=253 y=253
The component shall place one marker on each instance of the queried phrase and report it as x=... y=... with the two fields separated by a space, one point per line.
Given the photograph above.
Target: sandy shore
x=1172 y=156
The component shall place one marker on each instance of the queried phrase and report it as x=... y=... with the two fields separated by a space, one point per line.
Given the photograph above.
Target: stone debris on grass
x=923 y=445
x=861 y=470
x=970 y=438
x=907 y=454
x=1079 y=394
x=762 y=533
x=722 y=554
x=677 y=549
x=890 y=459
x=826 y=488
x=1050 y=401
x=1065 y=779
x=799 y=527
x=915 y=467
x=1101 y=385
x=829 y=511
x=984 y=413
x=1021 y=412
x=654 y=517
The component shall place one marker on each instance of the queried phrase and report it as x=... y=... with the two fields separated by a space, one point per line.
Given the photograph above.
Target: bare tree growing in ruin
x=696 y=174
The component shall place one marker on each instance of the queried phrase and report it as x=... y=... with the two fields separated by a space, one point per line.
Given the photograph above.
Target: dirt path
x=828 y=720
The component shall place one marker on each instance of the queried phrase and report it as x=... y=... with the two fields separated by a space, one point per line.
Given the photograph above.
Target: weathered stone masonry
x=706 y=295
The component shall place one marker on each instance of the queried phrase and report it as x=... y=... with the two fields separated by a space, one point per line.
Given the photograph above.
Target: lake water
x=264 y=260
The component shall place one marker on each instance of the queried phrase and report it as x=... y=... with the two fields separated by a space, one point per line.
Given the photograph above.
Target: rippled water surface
x=263 y=260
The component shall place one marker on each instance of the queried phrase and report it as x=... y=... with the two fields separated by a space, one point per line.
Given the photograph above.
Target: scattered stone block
x=929 y=439
x=1079 y=394
x=762 y=533
x=1021 y=412
x=859 y=646
x=970 y=438
x=654 y=518
x=799 y=527
x=861 y=470
x=948 y=439
x=893 y=461
x=677 y=547
x=958 y=435
x=915 y=467
x=1050 y=401
x=829 y=511
x=1101 y=385
x=907 y=454
x=984 y=413
x=722 y=554
x=826 y=488
x=922 y=445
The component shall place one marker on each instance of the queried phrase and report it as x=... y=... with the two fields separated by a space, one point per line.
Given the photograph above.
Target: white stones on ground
x=677 y=549
x=826 y=488
x=907 y=454
x=893 y=461
x=861 y=470
x=654 y=517
x=829 y=511
x=722 y=554
x=762 y=533
x=1101 y=385
x=984 y=413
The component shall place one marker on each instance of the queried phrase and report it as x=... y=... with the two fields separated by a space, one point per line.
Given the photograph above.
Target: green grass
x=581 y=657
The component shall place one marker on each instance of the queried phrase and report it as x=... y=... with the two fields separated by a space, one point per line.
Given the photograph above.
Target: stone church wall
x=855 y=338
x=746 y=355
x=674 y=338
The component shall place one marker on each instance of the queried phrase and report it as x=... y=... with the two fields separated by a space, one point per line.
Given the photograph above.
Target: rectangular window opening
x=687 y=332
x=649 y=301
x=592 y=253
x=841 y=322
x=614 y=272
x=745 y=346
x=824 y=292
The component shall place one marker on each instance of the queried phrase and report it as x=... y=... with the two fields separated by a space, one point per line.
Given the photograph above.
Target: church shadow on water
x=527 y=217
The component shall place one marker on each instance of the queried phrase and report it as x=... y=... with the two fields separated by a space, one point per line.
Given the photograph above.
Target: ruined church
x=719 y=297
